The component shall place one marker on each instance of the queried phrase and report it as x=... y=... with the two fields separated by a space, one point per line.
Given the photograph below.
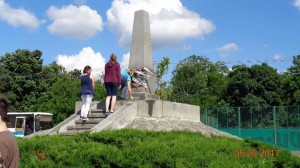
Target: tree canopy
x=258 y=85
x=198 y=81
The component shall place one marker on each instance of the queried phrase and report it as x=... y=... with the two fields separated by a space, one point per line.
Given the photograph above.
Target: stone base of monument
x=144 y=96
x=148 y=114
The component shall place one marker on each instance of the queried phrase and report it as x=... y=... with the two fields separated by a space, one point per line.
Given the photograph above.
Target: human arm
x=93 y=81
x=119 y=76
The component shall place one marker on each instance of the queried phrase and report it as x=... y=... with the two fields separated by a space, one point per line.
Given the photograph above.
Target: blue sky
x=75 y=33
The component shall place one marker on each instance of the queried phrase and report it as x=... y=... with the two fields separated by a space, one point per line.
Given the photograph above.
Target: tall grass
x=132 y=148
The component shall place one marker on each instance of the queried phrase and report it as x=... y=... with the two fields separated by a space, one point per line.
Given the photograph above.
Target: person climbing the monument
x=9 y=149
x=126 y=83
x=112 y=80
x=87 y=92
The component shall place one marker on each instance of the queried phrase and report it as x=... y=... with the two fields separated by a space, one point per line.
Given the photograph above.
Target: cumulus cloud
x=74 y=22
x=87 y=56
x=278 y=57
x=170 y=21
x=125 y=61
x=18 y=17
x=297 y=4
x=227 y=49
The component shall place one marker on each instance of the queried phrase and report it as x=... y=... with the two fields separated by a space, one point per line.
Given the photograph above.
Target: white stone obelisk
x=141 y=47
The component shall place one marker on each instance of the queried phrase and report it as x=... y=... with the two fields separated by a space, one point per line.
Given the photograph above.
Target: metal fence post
x=251 y=117
x=239 y=120
x=287 y=116
x=206 y=118
x=274 y=120
x=227 y=116
x=217 y=118
x=298 y=116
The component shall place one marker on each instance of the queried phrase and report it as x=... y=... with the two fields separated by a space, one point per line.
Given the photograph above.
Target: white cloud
x=170 y=21
x=297 y=4
x=87 y=56
x=227 y=49
x=18 y=17
x=125 y=61
x=278 y=57
x=74 y=22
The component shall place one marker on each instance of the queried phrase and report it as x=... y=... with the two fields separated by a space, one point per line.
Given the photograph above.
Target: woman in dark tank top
x=87 y=91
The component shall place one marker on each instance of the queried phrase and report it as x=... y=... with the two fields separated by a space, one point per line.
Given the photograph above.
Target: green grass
x=132 y=148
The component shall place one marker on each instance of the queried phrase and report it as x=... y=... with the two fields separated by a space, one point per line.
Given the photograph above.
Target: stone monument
x=141 y=50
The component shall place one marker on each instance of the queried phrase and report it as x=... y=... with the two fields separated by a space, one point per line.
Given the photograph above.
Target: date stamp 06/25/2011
x=263 y=153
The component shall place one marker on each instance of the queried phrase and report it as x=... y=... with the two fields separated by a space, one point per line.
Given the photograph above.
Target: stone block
x=171 y=109
x=149 y=108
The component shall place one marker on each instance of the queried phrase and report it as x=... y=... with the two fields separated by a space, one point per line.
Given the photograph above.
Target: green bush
x=132 y=148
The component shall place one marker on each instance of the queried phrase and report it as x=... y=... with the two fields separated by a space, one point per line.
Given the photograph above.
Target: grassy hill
x=132 y=148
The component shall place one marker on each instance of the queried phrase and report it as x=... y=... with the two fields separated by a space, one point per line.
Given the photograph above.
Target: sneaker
x=85 y=119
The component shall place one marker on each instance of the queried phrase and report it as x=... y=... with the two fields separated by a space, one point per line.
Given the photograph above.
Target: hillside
x=133 y=148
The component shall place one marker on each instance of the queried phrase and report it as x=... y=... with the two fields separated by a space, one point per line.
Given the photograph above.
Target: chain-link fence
x=276 y=125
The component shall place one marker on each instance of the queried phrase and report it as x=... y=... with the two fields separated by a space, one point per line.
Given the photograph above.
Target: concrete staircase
x=95 y=117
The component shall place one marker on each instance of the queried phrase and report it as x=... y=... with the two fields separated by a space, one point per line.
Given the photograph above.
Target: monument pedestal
x=144 y=96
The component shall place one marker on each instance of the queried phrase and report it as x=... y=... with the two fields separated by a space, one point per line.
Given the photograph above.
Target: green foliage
x=22 y=71
x=100 y=91
x=75 y=74
x=198 y=81
x=60 y=99
x=132 y=148
x=291 y=83
x=161 y=69
x=258 y=85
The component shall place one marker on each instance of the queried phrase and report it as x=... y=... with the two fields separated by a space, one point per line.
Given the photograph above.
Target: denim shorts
x=111 y=88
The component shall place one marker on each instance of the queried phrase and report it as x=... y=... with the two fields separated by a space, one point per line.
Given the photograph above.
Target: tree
x=161 y=69
x=22 y=73
x=290 y=83
x=258 y=85
x=75 y=74
x=198 y=81
x=60 y=99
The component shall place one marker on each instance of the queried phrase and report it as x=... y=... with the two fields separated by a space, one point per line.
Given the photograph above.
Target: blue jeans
x=123 y=92
x=123 y=87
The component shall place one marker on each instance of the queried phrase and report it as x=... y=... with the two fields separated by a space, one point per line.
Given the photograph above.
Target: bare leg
x=107 y=101
x=113 y=102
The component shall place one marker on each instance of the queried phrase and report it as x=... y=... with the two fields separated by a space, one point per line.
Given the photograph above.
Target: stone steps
x=80 y=127
x=95 y=117
x=97 y=114
x=72 y=132
x=90 y=121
